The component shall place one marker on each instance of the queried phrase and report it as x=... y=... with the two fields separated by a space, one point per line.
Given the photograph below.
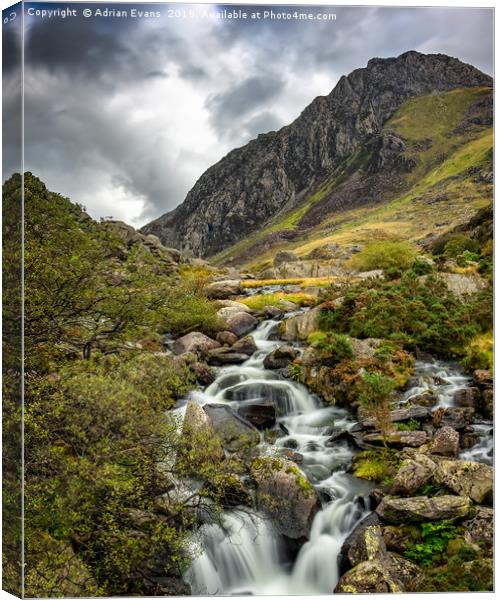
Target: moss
x=479 y=353
x=259 y=301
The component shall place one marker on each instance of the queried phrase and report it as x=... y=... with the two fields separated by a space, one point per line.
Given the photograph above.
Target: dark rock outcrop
x=275 y=171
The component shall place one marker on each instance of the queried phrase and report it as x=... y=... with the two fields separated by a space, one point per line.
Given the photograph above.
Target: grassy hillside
x=450 y=143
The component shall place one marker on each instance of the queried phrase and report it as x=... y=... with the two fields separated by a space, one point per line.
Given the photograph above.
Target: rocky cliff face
x=275 y=171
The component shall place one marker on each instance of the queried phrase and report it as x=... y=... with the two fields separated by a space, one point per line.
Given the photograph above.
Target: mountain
x=337 y=155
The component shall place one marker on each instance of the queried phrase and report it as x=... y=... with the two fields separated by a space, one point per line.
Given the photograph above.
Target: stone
x=468 y=397
x=364 y=543
x=412 y=475
x=284 y=256
x=222 y=290
x=487 y=403
x=226 y=356
x=399 y=538
x=467 y=478
x=241 y=323
x=400 y=415
x=463 y=285
x=422 y=508
x=482 y=378
x=457 y=417
x=235 y=432
x=272 y=312
x=284 y=493
x=233 y=304
x=281 y=357
x=198 y=424
x=398 y=439
x=204 y=374
x=226 y=338
x=229 y=311
x=196 y=342
x=427 y=398
x=246 y=345
x=392 y=574
x=479 y=528
x=446 y=442
x=371 y=274
x=260 y=413
x=300 y=326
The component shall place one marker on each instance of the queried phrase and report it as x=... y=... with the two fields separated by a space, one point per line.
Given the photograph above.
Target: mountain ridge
x=276 y=171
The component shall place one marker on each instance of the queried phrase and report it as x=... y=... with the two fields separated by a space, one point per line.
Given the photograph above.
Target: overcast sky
x=124 y=115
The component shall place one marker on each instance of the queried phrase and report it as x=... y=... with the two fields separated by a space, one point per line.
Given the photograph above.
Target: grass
x=259 y=301
x=479 y=353
x=304 y=282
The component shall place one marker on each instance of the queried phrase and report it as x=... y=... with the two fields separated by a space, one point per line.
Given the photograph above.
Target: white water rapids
x=245 y=554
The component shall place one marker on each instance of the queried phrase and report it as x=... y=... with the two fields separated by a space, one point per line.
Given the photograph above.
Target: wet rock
x=398 y=439
x=226 y=356
x=392 y=574
x=479 y=528
x=241 y=323
x=284 y=493
x=364 y=543
x=427 y=398
x=375 y=497
x=457 y=417
x=295 y=457
x=291 y=444
x=446 y=442
x=262 y=414
x=468 y=439
x=272 y=312
x=204 y=374
x=487 y=403
x=338 y=436
x=226 y=338
x=467 y=478
x=299 y=327
x=281 y=357
x=246 y=345
x=236 y=433
x=412 y=475
x=468 y=397
x=482 y=378
x=221 y=290
x=422 y=508
x=196 y=342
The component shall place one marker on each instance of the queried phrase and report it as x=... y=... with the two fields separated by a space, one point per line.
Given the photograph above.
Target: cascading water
x=244 y=554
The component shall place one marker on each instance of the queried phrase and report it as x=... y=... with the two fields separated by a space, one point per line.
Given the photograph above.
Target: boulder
x=226 y=356
x=281 y=357
x=371 y=274
x=463 y=285
x=427 y=398
x=392 y=574
x=482 y=378
x=246 y=345
x=197 y=423
x=241 y=323
x=467 y=478
x=456 y=417
x=446 y=442
x=479 y=528
x=285 y=494
x=412 y=475
x=398 y=439
x=260 y=413
x=300 y=326
x=364 y=543
x=487 y=403
x=226 y=338
x=287 y=306
x=400 y=415
x=399 y=538
x=235 y=432
x=284 y=256
x=221 y=290
x=272 y=312
x=229 y=311
x=468 y=397
x=422 y=508
x=196 y=342
x=232 y=304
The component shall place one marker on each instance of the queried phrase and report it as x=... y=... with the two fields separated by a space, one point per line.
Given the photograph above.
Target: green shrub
x=432 y=548
x=458 y=244
x=331 y=347
x=411 y=425
x=384 y=255
x=421 y=267
x=459 y=576
x=414 y=312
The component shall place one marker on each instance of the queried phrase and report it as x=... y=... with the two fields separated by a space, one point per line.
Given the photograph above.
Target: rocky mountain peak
x=274 y=172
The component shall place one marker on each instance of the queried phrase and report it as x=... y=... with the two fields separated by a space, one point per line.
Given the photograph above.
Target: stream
x=244 y=554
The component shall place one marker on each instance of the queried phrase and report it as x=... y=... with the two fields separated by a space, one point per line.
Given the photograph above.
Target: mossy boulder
x=422 y=508
x=467 y=478
x=413 y=474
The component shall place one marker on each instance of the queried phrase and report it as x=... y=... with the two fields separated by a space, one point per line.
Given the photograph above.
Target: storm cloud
x=124 y=115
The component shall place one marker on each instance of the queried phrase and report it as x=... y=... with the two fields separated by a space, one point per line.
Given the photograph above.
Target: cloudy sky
x=123 y=115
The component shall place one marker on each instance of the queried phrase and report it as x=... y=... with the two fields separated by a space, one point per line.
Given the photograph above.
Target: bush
x=414 y=312
x=331 y=347
x=435 y=538
x=384 y=255
x=375 y=398
x=479 y=353
x=458 y=244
